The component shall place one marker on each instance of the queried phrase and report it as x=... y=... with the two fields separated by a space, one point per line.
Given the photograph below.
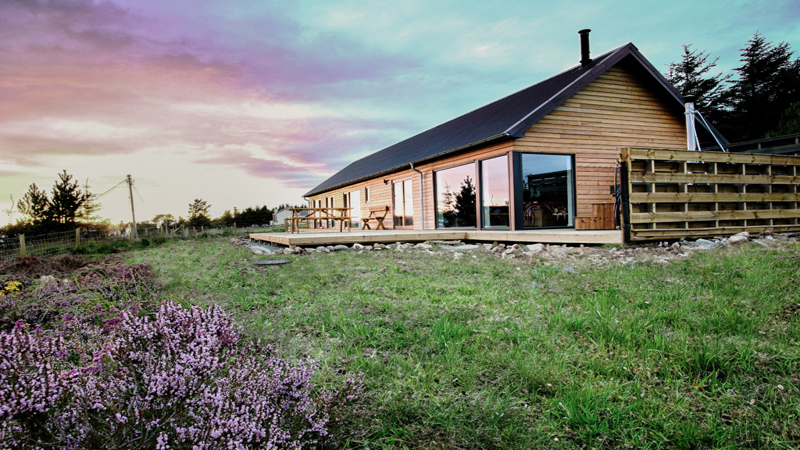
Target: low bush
x=108 y=371
x=118 y=246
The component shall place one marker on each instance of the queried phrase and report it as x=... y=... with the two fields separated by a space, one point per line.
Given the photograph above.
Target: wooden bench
x=377 y=214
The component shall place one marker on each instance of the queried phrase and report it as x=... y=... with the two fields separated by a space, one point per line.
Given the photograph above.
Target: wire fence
x=50 y=244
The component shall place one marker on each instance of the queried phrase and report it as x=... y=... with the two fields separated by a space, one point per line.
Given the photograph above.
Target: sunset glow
x=247 y=103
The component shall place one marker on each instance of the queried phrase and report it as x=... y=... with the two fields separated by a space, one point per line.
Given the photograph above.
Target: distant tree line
x=67 y=206
x=760 y=99
x=198 y=215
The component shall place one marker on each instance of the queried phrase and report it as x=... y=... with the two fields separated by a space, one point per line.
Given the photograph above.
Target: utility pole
x=133 y=214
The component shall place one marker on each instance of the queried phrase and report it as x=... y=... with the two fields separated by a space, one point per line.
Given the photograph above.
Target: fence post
x=77 y=237
x=22 y=253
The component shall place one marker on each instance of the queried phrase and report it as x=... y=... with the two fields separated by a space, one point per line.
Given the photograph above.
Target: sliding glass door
x=548 y=190
x=494 y=193
x=403 y=198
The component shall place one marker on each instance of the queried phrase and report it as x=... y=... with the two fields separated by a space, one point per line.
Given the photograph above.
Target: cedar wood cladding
x=619 y=108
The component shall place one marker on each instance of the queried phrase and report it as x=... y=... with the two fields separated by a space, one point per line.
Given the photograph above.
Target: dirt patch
x=63 y=266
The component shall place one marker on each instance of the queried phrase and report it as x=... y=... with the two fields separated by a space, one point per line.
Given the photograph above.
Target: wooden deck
x=554 y=236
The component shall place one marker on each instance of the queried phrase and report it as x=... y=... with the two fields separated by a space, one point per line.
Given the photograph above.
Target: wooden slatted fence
x=678 y=193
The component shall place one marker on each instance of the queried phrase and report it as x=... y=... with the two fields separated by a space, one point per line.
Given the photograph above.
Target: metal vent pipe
x=691 y=132
x=585 y=59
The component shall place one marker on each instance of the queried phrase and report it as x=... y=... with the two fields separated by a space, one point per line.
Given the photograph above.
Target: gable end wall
x=615 y=110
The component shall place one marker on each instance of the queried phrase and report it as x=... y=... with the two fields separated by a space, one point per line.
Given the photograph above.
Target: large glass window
x=547 y=190
x=403 y=204
x=352 y=200
x=456 y=205
x=494 y=193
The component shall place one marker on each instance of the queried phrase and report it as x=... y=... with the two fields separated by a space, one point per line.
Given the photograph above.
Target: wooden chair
x=377 y=214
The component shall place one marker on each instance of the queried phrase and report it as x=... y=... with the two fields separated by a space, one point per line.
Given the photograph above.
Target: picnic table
x=334 y=214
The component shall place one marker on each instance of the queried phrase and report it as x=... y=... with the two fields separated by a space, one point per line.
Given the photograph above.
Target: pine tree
x=690 y=77
x=789 y=123
x=89 y=207
x=768 y=83
x=35 y=204
x=460 y=208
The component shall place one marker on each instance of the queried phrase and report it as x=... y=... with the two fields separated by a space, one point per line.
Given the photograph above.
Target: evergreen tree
x=67 y=199
x=461 y=207
x=35 y=204
x=225 y=220
x=789 y=122
x=768 y=83
x=89 y=207
x=691 y=77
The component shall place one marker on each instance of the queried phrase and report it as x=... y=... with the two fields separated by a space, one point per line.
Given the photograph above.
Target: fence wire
x=51 y=244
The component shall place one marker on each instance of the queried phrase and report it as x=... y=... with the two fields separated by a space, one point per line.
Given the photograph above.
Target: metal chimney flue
x=691 y=132
x=585 y=59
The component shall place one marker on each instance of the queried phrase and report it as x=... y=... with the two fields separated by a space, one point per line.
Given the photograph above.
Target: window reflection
x=547 y=185
x=494 y=192
x=456 y=204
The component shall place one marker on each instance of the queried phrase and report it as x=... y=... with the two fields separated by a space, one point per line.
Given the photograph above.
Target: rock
x=340 y=248
x=288 y=251
x=494 y=244
x=358 y=246
x=309 y=250
x=379 y=247
x=368 y=247
x=676 y=245
x=569 y=269
x=498 y=248
x=760 y=242
x=739 y=238
x=323 y=249
x=705 y=244
x=487 y=247
x=329 y=247
x=510 y=251
x=465 y=247
x=298 y=250
x=457 y=255
x=424 y=245
x=558 y=252
x=536 y=248
x=516 y=246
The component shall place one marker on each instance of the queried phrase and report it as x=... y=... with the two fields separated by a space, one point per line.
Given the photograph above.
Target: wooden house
x=543 y=157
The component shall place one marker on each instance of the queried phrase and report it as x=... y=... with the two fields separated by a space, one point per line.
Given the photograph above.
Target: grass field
x=483 y=353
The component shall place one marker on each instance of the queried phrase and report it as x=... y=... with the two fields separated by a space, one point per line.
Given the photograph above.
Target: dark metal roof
x=507 y=118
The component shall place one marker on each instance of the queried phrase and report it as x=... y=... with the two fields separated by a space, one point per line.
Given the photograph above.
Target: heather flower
x=178 y=378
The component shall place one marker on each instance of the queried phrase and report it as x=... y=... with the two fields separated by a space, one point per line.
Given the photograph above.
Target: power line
x=138 y=194
x=106 y=192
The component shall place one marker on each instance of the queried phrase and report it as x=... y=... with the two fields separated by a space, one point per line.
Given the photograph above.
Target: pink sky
x=253 y=103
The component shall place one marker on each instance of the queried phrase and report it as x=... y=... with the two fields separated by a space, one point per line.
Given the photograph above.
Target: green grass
x=483 y=353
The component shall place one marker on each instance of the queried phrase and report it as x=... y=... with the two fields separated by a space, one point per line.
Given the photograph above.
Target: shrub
x=177 y=378
x=93 y=297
